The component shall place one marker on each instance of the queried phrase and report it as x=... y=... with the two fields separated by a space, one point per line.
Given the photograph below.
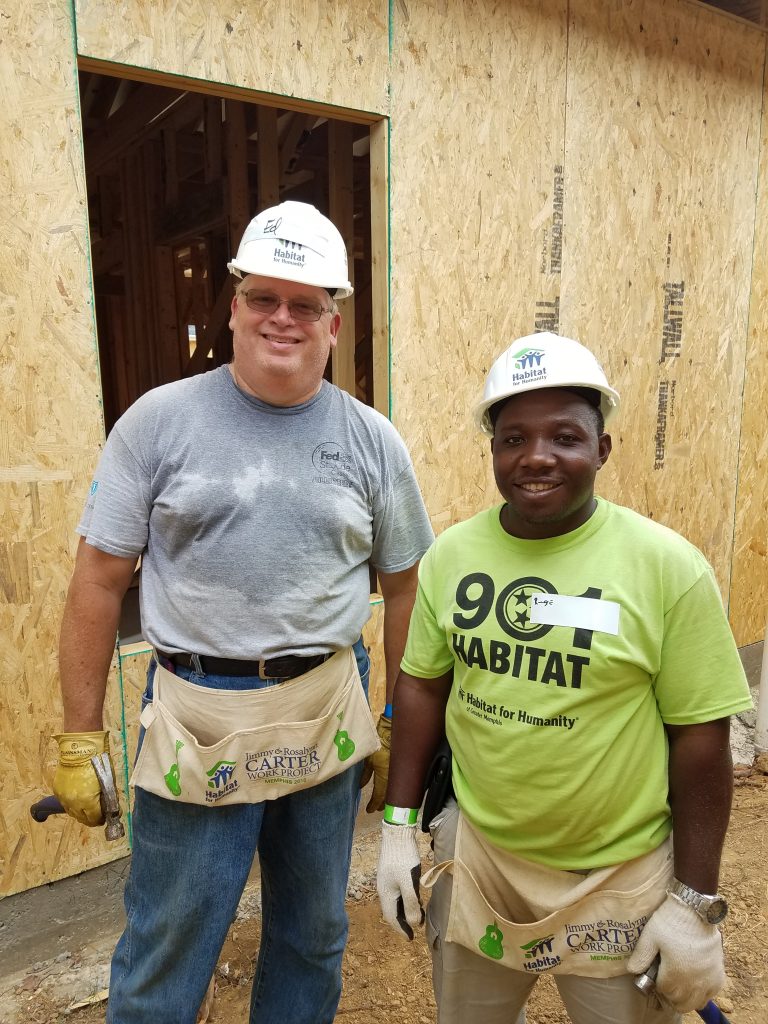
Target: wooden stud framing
x=298 y=124
x=380 y=264
x=268 y=174
x=214 y=139
x=237 y=171
x=341 y=212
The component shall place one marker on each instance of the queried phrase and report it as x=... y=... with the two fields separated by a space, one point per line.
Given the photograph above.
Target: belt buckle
x=263 y=674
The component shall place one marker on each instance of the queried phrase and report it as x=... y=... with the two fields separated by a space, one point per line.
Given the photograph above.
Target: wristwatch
x=711 y=909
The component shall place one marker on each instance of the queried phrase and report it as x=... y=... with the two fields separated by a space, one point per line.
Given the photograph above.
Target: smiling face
x=546 y=452
x=277 y=358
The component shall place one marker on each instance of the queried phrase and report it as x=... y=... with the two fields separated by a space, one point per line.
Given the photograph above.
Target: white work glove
x=397 y=878
x=691 y=970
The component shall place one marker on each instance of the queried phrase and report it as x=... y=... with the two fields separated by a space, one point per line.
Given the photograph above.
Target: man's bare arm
x=88 y=631
x=700 y=793
x=399 y=592
x=418 y=727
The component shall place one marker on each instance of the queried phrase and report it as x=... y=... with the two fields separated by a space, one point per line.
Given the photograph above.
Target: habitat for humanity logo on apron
x=208 y=746
x=537 y=919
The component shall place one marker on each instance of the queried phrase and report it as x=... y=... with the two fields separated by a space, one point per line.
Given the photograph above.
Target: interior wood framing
x=754 y=11
x=223 y=90
x=174 y=175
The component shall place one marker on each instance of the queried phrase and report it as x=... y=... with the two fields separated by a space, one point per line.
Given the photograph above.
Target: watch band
x=711 y=909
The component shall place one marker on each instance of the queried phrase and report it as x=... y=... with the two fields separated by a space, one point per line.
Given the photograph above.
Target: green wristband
x=400 y=815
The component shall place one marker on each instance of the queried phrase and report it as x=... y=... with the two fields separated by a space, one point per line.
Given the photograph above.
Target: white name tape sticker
x=579 y=612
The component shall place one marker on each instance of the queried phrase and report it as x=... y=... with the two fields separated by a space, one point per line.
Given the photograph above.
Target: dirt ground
x=387 y=980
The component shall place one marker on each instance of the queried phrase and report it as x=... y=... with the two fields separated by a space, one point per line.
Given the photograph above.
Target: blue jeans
x=188 y=870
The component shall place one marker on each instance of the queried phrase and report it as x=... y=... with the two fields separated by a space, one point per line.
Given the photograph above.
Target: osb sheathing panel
x=50 y=422
x=749 y=580
x=477 y=148
x=505 y=183
x=373 y=640
x=618 y=182
x=662 y=141
x=330 y=53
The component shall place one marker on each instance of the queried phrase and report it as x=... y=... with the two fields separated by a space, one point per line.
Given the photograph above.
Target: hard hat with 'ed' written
x=543 y=360
x=294 y=242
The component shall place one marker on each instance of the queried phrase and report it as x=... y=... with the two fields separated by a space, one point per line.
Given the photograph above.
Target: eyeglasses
x=299 y=309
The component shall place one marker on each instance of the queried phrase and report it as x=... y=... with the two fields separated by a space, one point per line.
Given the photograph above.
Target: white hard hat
x=543 y=360
x=294 y=242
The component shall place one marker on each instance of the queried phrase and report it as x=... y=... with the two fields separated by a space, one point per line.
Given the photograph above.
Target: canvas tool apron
x=215 y=747
x=535 y=919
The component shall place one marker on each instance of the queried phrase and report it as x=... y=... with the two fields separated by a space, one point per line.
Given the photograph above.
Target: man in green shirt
x=578 y=658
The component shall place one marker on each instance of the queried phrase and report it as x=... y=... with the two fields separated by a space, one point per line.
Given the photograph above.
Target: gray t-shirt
x=256 y=522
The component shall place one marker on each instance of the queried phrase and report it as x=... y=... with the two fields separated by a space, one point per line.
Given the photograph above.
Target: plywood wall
x=749 y=581
x=661 y=148
x=590 y=165
x=332 y=53
x=626 y=137
x=50 y=417
x=478 y=133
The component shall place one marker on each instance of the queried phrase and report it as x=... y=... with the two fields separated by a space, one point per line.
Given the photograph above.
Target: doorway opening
x=173 y=178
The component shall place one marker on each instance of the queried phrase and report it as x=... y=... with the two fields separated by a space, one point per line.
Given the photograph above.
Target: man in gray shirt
x=256 y=496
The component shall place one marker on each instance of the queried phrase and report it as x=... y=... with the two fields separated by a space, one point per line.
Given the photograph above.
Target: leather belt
x=287 y=667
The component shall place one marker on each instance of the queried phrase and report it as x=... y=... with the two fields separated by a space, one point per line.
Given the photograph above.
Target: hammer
x=711 y=1013
x=110 y=805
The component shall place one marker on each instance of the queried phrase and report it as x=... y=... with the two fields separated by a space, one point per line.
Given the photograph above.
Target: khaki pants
x=469 y=987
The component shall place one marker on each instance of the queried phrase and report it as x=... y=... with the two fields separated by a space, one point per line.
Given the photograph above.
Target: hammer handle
x=42 y=810
x=710 y=1014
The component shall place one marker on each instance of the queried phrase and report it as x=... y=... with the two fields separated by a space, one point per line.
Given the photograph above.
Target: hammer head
x=110 y=804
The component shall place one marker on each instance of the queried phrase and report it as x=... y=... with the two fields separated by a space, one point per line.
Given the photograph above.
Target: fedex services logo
x=330 y=457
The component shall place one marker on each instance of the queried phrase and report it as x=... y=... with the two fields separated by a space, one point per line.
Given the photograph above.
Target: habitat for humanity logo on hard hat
x=289 y=252
x=528 y=362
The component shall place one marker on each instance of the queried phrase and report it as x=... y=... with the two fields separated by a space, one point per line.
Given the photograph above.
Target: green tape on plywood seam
x=124 y=734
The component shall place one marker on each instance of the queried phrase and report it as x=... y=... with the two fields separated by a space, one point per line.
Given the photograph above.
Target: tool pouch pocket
x=536 y=919
x=211 y=747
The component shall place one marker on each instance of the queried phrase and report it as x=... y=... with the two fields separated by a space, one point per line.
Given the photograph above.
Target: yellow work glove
x=75 y=782
x=377 y=765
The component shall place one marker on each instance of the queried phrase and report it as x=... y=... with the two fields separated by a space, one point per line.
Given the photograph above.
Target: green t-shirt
x=559 y=748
